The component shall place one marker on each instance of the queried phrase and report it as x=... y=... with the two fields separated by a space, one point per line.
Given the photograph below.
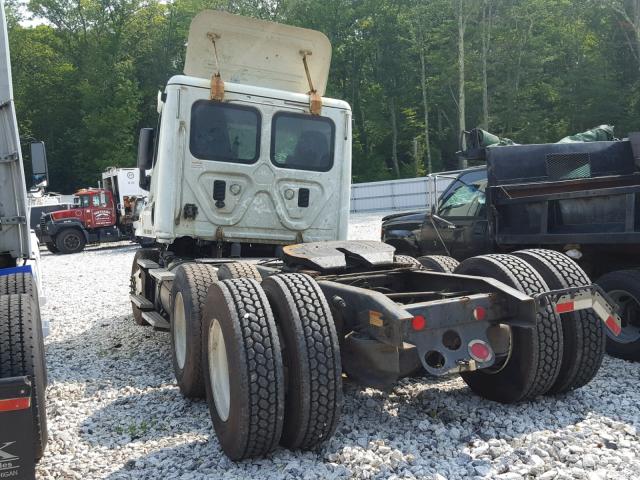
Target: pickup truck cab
x=457 y=227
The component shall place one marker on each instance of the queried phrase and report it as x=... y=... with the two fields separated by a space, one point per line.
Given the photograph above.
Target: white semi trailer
x=23 y=425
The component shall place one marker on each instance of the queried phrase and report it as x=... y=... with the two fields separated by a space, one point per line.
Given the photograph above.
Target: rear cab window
x=302 y=142
x=224 y=132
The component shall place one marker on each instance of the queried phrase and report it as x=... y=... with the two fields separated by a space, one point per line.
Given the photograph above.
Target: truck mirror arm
x=448 y=224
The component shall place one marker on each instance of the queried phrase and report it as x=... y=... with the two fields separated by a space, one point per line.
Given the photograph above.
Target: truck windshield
x=302 y=142
x=224 y=132
x=465 y=197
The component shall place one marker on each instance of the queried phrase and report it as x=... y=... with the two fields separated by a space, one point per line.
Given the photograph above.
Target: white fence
x=397 y=195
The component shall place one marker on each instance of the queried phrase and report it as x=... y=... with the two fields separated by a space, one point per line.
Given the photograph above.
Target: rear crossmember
x=451 y=325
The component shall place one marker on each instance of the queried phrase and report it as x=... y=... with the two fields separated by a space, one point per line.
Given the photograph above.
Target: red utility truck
x=93 y=219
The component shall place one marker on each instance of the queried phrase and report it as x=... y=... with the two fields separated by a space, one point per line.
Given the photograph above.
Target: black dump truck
x=581 y=199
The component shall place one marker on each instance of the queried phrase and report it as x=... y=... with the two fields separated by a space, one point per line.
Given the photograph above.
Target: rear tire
x=22 y=354
x=70 y=241
x=243 y=369
x=311 y=356
x=439 y=263
x=623 y=287
x=189 y=293
x=139 y=281
x=535 y=354
x=582 y=331
x=228 y=271
x=407 y=260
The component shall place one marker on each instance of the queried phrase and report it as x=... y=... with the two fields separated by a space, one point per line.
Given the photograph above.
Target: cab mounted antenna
x=217 y=84
x=315 y=100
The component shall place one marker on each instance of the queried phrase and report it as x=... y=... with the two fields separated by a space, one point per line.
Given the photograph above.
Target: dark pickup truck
x=580 y=199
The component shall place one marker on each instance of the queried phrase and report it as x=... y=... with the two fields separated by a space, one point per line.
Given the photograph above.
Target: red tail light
x=480 y=351
x=418 y=322
x=479 y=313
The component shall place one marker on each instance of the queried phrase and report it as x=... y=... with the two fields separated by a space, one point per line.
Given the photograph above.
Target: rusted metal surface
x=338 y=254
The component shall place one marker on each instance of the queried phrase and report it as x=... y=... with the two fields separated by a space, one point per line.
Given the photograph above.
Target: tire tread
x=238 y=270
x=20 y=345
x=583 y=328
x=323 y=368
x=198 y=278
x=265 y=371
x=447 y=264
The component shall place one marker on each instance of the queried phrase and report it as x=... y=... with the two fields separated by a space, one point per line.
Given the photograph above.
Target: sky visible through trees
x=86 y=74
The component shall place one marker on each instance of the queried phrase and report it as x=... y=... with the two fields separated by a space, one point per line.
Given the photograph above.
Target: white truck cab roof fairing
x=257 y=53
x=257 y=167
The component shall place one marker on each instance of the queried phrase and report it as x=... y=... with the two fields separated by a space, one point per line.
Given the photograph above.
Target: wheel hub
x=71 y=242
x=219 y=370
x=629 y=314
x=179 y=331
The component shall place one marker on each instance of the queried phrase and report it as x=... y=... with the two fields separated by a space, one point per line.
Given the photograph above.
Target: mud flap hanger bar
x=573 y=299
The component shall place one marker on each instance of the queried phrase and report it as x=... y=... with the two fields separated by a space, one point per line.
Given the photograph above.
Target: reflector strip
x=13 y=404
x=583 y=303
x=564 y=307
x=613 y=325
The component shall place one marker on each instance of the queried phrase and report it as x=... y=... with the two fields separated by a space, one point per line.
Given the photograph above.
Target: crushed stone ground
x=116 y=413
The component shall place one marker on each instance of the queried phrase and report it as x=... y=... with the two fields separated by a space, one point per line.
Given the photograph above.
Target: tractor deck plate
x=339 y=255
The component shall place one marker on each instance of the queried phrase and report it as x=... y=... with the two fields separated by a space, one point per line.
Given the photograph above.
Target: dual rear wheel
x=561 y=353
x=265 y=355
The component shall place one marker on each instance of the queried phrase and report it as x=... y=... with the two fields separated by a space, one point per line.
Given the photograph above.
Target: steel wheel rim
x=219 y=370
x=502 y=360
x=137 y=282
x=630 y=315
x=179 y=331
x=72 y=242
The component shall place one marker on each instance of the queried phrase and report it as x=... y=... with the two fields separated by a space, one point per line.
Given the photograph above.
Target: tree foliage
x=87 y=76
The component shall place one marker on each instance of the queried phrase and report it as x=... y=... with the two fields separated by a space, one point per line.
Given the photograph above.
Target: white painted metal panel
x=15 y=238
x=256 y=52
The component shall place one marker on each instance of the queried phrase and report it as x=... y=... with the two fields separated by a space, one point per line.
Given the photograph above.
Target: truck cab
x=92 y=219
x=461 y=222
x=260 y=166
x=96 y=208
x=457 y=225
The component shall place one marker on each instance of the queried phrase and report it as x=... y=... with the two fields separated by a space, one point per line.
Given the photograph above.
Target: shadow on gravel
x=382 y=432
x=153 y=415
x=112 y=352
x=98 y=248
x=204 y=460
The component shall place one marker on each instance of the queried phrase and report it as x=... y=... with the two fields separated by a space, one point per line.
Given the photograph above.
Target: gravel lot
x=114 y=411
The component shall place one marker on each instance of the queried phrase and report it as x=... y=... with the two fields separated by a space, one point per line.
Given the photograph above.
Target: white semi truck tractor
x=23 y=425
x=249 y=161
